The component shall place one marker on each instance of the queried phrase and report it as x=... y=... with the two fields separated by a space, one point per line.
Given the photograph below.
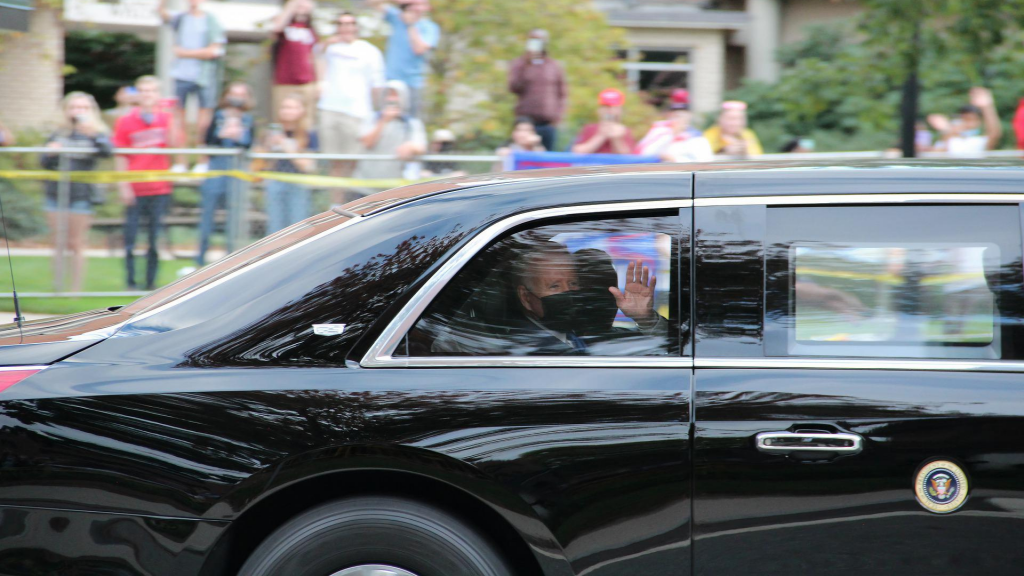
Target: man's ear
x=523 y=294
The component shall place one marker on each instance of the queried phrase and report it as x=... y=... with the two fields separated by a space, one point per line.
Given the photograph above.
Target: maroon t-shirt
x=293 y=60
x=590 y=130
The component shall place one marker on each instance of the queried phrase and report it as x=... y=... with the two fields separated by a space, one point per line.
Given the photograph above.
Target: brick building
x=31 y=65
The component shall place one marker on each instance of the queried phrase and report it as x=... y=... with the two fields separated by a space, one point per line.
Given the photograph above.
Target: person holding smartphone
x=413 y=36
x=609 y=135
x=288 y=202
x=81 y=127
x=232 y=127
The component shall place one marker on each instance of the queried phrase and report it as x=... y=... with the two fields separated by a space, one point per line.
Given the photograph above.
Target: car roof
x=754 y=178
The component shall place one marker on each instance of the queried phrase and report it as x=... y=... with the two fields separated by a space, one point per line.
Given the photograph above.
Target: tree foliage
x=841 y=84
x=480 y=39
x=102 y=62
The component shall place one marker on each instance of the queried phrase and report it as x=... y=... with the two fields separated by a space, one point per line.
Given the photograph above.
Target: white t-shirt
x=353 y=71
x=696 y=149
x=967 y=146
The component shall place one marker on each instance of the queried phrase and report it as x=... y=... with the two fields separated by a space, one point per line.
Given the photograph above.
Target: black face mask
x=235 y=102
x=596 y=311
x=560 y=311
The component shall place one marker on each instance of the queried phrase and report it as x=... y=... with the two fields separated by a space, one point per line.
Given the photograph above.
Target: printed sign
x=536 y=160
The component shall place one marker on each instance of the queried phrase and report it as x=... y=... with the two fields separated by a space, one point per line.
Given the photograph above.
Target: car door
x=859 y=395
x=586 y=419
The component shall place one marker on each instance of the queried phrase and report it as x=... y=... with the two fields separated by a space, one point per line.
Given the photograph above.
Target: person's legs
x=311 y=96
x=78 y=240
x=182 y=88
x=212 y=192
x=346 y=128
x=276 y=195
x=57 y=261
x=416 y=102
x=207 y=102
x=131 y=230
x=154 y=208
x=277 y=93
x=297 y=204
x=548 y=135
x=332 y=141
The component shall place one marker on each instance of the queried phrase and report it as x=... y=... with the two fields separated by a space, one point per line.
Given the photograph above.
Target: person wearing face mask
x=963 y=137
x=294 y=66
x=609 y=135
x=539 y=83
x=561 y=314
x=231 y=127
x=731 y=137
x=674 y=139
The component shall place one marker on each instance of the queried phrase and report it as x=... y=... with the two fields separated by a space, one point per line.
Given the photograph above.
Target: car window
x=895 y=281
x=588 y=288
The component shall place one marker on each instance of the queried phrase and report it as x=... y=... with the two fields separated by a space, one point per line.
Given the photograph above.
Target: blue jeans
x=219 y=192
x=154 y=208
x=287 y=204
x=548 y=135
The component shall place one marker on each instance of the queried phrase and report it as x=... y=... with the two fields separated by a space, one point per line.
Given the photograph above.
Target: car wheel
x=375 y=536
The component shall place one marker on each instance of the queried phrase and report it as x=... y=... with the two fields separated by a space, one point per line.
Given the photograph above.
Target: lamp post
x=911 y=90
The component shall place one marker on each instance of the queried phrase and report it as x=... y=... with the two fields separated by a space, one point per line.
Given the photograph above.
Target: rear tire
x=376 y=530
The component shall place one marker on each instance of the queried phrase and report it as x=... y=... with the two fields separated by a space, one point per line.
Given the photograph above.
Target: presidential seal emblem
x=941 y=486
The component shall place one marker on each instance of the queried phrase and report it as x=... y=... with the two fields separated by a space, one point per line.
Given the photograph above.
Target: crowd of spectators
x=339 y=94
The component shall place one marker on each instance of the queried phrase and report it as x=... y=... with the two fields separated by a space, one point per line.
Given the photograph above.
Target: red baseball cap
x=679 y=100
x=611 y=97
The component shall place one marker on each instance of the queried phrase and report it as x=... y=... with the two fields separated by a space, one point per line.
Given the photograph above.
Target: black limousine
x=668 y=370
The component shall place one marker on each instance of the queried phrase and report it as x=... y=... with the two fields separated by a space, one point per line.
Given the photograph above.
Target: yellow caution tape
x=114 y=177
x=332 y=181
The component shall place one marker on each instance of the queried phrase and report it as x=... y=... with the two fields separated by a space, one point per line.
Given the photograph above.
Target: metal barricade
x=240 y=197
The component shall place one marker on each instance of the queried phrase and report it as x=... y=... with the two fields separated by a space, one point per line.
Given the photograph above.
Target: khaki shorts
x=307 y=92
x=339 y=133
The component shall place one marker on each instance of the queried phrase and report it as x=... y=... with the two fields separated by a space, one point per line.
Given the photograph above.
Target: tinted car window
x=896 y=281
x=597 y=288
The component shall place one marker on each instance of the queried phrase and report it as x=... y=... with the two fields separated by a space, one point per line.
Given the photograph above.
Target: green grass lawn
x=34 y=274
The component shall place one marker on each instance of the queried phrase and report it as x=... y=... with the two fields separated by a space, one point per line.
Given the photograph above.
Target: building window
x=657 y=71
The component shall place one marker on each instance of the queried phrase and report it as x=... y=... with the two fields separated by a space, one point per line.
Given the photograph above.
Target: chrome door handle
x=781 y=442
